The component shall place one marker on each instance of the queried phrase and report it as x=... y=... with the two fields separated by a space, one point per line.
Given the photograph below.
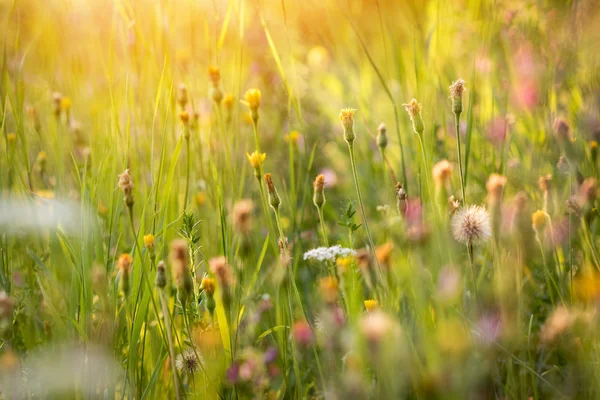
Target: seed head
x=187 y=362
x=126 y=185
x=471 y=225
x=179 y=265
x=347 y=120
x=457 y=89
x=413 y=108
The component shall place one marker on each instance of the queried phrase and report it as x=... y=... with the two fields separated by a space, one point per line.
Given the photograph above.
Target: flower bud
x=539 y=220
x=382 y=140
x=182 y=96
x=124 y=264
x=457 y=89
x=160 y=281
x=253 y=97
x=413 y=108
x=126 y=185
x=274 y=199
x=319 y=194
x=347 y=120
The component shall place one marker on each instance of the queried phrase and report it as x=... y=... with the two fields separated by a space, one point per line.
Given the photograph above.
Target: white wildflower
x=328 y=253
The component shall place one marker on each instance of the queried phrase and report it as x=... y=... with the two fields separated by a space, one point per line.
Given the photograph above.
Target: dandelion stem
x=472 y=261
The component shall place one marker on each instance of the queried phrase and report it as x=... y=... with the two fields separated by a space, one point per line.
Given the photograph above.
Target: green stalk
x=187 y=173
x=165 y=311
x=321 y=220
x=460 y=168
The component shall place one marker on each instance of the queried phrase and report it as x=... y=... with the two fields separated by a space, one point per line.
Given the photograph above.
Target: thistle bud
x=413 y=108
x=274 y=199
x=182 y=96
x=126 y=185
x=382 y=140
x=181 y=272
x=319 y=195
x=184 y=117
x=401 y=197
x=160 y=281
x=222 y=271
x=347 y=120
x=457 y=89
x=56 y=100
x=124 y=265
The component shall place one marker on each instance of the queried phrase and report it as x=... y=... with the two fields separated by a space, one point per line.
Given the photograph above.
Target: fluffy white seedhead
x=471 y=225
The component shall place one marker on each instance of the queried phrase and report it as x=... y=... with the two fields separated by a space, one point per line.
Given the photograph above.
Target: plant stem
x=325 y=240
x=460 y=168
x=472 y=261
x=187 y=173
x=362 y=209
x=165 y=311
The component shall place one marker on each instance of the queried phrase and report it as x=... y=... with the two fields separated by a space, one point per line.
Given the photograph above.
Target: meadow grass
x=321 y=199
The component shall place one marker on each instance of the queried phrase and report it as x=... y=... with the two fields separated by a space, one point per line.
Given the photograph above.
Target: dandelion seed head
x=471 y=225
x=187 y=362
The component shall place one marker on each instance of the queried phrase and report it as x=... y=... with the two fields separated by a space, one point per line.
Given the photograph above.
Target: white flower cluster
x=328 y=253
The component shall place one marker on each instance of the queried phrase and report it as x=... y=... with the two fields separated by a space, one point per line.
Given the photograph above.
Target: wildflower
x=216 y=94
x=302 y=333
x=556 y=324
x=124 y=265
x=253 y=100
x=471 y=225
x=593 y=145
x=457 y=89
x=328 y=287
x=441 y=171
x=328 y=253
x=343 y=263
x=382 y=140
x=179 y=264
x=383 y=253
x=222 y=270
x=65 y=104
x=11 y=138
x=377 y=326
x=228 y=101
x=539 y=219
x=494 y=186
x=256 y=160
x=187 y=362
x=126 y=185
x=347 y=120
x=182 y=96
x=371 y=304
x=293 y=137
x=319 y=191
x=57 y=100
x=208 y=285
x=545 y=185
x=413 y=108
x=149 y=242
x=242 y=215
x=274 y=199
